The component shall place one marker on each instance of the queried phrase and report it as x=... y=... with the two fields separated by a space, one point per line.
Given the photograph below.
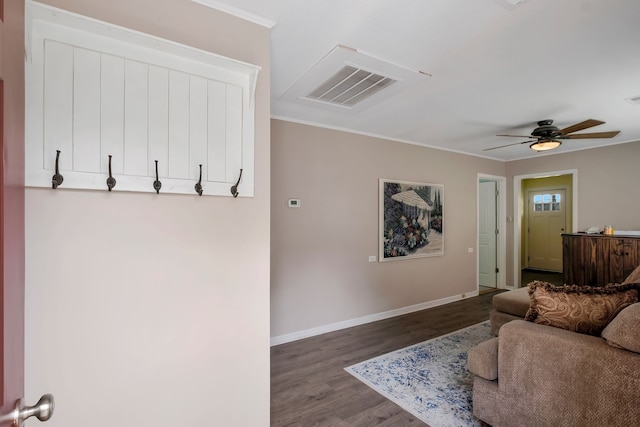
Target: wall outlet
x=372 y=258
x=470 y=250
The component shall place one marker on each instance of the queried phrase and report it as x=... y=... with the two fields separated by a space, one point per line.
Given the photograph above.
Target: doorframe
x=501 y=222
x=518 y=213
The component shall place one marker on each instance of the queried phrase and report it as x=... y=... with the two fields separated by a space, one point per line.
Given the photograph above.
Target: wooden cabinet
x=596 y=259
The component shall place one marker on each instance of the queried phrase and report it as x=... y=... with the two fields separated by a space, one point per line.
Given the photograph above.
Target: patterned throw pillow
x=582 y=309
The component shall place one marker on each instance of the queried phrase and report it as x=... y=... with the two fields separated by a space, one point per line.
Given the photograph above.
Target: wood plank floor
x=309 y=386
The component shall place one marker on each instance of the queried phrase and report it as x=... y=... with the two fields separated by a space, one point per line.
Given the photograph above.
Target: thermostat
x=294 y=203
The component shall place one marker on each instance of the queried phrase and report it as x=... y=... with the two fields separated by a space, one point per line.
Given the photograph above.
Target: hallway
x=529 y=275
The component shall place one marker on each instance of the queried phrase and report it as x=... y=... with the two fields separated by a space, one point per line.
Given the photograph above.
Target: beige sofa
x=539 y=375
x=508 y=306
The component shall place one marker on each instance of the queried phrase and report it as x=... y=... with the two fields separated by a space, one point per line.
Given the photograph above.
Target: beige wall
x=153 y=310
x=320 y=269
x=321 y=277
x=607 y=183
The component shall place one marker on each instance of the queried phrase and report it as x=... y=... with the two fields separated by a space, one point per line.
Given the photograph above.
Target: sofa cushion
x=482 y=359
x=498 y=318
x=515 y=302
x=583 y=309
x=624 y=329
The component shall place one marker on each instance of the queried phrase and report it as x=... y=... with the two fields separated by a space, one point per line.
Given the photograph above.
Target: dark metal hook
x=198 y=185
x=234 y=188
x=57 y=179
x=111 y=181
x=157 y=185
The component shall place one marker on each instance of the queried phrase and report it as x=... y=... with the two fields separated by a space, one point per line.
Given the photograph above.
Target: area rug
x=430 y=379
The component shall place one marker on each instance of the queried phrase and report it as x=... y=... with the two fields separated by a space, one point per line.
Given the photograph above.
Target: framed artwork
x=411 y=220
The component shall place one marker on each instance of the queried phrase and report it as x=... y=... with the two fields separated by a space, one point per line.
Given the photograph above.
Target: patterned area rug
x=430 y=379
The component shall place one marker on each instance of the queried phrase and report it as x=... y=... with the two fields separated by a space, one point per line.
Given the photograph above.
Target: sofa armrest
x=556 y=371
x=482 y=359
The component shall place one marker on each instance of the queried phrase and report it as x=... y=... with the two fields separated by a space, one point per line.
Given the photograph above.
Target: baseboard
x=306 y=333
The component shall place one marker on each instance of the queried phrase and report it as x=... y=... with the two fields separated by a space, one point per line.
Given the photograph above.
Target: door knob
x=43 y=410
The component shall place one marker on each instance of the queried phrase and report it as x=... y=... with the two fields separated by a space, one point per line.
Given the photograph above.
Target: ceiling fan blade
x=580 y=126
x=517 y=136
x=591 y=135
x=508 y=145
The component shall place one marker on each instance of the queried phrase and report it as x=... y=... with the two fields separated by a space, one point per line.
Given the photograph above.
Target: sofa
x=537 y=374
x=508 y=306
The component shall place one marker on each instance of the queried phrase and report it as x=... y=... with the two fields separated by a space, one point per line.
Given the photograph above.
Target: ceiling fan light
x=545 y=145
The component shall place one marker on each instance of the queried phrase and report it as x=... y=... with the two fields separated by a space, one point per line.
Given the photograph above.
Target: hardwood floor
x=309 y=386
x=529 y=275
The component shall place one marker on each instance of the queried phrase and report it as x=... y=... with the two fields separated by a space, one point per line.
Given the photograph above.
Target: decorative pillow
x=634 y=277
x=624 y=329
x=582 y=309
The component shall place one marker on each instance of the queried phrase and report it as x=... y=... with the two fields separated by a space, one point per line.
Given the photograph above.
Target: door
x=12 y=201
x=487 y=234
x=546 y=223
x=12 y=214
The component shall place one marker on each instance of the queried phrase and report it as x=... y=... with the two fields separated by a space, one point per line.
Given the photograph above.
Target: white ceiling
x=494 y=68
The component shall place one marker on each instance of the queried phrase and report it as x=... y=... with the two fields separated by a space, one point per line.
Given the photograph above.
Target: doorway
x=491 y=215
x=487 y=235
x=539 y=252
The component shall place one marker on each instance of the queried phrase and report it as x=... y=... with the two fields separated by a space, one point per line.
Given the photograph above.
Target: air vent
x=510 y=4
x=348 y=81
x=349 y=86
x=634 y=100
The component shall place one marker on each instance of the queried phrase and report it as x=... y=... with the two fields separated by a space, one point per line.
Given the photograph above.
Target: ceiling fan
x=547 y=136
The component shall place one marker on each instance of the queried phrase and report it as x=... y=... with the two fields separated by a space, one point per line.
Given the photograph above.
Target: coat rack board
x=105 y=103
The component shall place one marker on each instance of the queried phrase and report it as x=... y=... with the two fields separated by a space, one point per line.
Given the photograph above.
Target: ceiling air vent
x=349 y=86
x=347 y=81
x=634 y=100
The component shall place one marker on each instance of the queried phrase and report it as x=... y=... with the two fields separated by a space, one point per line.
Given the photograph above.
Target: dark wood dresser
x=596 y=259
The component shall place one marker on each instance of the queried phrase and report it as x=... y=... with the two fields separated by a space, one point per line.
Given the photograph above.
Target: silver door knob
x=43 y=410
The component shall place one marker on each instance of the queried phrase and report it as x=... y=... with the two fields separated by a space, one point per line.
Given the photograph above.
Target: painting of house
x=411 y=220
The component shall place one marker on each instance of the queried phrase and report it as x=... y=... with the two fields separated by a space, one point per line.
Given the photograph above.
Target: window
x=546 y=202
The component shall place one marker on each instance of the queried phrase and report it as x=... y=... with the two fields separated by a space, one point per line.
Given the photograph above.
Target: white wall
x=153 y=310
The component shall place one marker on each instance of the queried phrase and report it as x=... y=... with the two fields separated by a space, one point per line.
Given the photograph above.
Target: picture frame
x=411 y=220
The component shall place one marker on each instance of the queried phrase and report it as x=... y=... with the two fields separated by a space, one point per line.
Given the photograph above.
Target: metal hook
x=198 y=185
x=57 y=179
x=157 y=185
x=111 y=181
x=234 y=188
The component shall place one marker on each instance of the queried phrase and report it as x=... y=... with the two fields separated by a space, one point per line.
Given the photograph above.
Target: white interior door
x=487 y=237
x=546 y=223
x=13 y=410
